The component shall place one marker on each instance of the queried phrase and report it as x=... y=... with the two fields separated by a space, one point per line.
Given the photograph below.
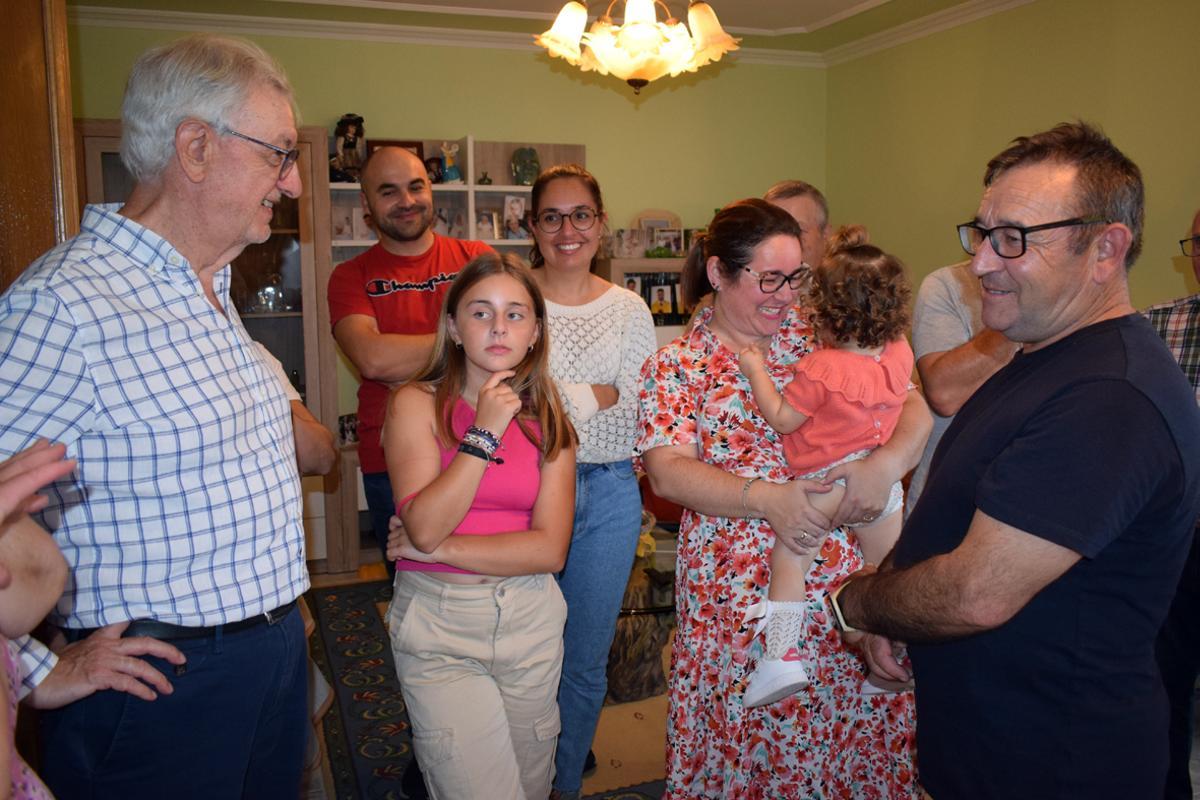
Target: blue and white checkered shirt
x=186 y=504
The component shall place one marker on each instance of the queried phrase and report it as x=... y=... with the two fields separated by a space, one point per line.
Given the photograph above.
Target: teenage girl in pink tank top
x=482 y=456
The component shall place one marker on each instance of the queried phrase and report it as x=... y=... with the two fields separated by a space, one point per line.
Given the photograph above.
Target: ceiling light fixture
x=642 y=49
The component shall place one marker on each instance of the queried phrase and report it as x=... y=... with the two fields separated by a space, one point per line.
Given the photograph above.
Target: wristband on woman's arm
x=746 y=493
x=479 y=452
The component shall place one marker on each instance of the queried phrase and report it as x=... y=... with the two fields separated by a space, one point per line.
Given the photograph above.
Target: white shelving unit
x=470 y=198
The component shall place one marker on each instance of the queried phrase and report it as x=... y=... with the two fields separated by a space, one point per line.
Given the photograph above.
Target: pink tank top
x=505 y=498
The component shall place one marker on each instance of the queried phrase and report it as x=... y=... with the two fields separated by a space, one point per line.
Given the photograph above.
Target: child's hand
x=497 y=404
x=26 y=472
x=751 y=361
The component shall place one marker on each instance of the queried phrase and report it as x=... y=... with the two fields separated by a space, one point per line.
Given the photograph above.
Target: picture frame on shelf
x=416 y=148
x=669 y=239
x=362 y=229
x=458 y=224
x=514 y=208
x=627 y=243
x=441 y=220
x=634 y=284
x=486 y=226
x=341 y=221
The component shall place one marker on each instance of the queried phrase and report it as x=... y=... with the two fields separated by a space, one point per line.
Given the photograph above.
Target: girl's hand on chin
x=497 y=403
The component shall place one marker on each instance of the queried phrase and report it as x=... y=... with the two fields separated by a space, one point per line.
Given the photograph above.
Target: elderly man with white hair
x=184 y=669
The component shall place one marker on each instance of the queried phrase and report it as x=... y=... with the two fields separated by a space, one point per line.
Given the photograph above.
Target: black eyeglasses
x=1008 y=241
x=771 y=282
x=551 y=221
x=1190 y=246
x=289 y=156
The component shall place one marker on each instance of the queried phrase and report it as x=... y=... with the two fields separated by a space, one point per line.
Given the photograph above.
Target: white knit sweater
x=604 y=341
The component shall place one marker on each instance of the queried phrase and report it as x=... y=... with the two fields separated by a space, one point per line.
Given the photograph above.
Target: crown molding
x=102 y=16
x=970 y=11
x=430 y=8
x=474 y=11
x=846 y=13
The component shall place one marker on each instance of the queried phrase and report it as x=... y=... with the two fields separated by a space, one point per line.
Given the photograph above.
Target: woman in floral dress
x=705 y=446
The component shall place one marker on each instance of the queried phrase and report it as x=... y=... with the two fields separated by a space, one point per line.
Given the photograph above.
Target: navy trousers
x=234 y=727
x=1179 y=661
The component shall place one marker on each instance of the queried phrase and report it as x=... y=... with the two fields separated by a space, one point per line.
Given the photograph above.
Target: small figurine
x=484 y=180
x=525 y=166
x=452 y=174
x=433 y=168
x=350 y=145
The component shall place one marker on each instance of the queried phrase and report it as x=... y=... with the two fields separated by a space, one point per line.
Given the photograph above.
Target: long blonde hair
x=445 y=374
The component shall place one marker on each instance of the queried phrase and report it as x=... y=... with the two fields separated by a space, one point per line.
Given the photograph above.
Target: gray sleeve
x=946 y=313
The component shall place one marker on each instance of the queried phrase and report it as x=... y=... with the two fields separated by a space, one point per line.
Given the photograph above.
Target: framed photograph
x=662 y=301
x=670 y=238
x=342 y=221
x=416 y=148
x=486 y=226
x=362 y=230
x=627 y=243
x=514 y=208
x=458 y=224
x=633 y=283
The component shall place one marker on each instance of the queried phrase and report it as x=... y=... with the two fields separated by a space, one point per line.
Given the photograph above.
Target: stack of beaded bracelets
x=480 y=443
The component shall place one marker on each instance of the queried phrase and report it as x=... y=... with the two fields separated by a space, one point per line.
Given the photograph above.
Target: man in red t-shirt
x=384 y=303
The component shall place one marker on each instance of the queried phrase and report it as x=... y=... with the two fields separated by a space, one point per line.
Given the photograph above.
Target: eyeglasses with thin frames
x=551 y=220
x=289 y=156
x=1190 y=246
x=1008 y=241
x=771 y=282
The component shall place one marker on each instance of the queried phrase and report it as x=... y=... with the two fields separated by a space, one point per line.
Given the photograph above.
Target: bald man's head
x=397 y=195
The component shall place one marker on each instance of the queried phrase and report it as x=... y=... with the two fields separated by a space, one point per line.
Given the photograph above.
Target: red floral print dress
x=828 y=741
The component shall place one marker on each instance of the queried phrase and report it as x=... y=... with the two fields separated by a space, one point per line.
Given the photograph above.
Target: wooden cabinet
x=278 y=288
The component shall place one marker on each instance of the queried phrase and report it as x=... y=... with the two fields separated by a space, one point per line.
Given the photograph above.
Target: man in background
x=384 y=305
x=1178 y=323
x=807 y=206
x=955 y=354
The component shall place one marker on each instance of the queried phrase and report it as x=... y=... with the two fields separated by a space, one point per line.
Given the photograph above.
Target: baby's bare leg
x=787 y=574
x=879 y=537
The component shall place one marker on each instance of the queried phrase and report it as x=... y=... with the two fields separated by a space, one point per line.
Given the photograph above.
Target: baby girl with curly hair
x=843 y=401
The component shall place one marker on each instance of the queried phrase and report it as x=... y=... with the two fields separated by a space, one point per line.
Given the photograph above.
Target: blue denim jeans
x=608 y=520
x=381 y=507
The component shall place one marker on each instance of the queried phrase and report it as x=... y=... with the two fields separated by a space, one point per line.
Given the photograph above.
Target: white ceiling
x=763 y=17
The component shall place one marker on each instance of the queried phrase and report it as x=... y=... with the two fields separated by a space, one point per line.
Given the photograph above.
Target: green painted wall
x=688 y=144
x=910 y=129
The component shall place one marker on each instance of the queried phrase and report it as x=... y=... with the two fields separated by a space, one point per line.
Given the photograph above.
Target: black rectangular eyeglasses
x=289 y=156
x=1190 y=246
x=771 y=282
x=1008 y=241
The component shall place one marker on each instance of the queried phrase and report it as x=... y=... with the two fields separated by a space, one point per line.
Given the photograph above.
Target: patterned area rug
x=367 y=733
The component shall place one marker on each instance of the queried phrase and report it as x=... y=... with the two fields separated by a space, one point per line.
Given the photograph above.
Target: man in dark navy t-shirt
x=1038 y=565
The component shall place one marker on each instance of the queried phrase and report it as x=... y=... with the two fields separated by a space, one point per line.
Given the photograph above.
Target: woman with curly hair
x=843 y=401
